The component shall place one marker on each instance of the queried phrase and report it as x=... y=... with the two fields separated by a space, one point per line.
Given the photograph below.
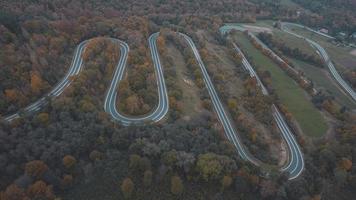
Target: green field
x=323 y=81
x=289 y=3
x=317 y=75
x=286 y=38
x=338 y=54
x=291 y=95
x=294 y=42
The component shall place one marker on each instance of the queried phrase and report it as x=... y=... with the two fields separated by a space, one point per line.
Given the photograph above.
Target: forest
x=72 y=149
x=337 y=15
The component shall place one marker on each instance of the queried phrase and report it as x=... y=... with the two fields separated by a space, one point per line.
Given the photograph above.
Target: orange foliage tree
x=69 y=161
x=35 y=168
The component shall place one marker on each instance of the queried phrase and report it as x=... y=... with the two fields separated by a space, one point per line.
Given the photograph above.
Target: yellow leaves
x=232 y=104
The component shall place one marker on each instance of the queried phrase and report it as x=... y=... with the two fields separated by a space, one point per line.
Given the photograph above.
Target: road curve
x=58 y=89
x=111 y=96
x=230 y=132
x=321 y=51
x=295 y=166
x=110 y=100
x=163 y=104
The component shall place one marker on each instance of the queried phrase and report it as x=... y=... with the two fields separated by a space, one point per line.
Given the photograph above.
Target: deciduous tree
x=127 y=187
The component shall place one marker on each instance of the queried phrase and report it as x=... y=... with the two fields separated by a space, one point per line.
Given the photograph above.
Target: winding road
x=295 y=166
x=110 y=100
x=163 y=104
x=296 y=163
x=321 y=51
x=59 y=88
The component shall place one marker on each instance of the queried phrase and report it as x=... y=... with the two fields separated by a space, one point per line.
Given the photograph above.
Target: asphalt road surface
x=295 y=166
x=321 y=51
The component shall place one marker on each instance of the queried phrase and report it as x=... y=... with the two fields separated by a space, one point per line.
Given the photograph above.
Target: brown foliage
x=69 y=161
x=11 y=94
x=67 y=180
x=35 y=168
x=37 y=84
x=13 y=192
x=40 y=190
x=127 y=187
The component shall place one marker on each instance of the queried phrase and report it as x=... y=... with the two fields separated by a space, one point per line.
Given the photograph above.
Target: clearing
x=191 y=99
x=320 y=76
x=291 y=95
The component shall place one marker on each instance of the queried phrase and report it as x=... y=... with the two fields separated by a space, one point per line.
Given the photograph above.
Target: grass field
x=291 y=95
x=294 y=42
x=289 y=3
x=317 y=75
x=339 y=55
x=325 y=82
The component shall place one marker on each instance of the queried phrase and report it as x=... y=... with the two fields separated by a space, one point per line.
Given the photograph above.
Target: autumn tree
x=40 y=190
x=226 y=182
x=67 y=180
x=13 y=192
x=69 y=161
x=127 y=187
x=11 y=94
x=211 y=166
x=35 y=168
x=345 y=164
x=132 y=104
x=176 y=185
x=42 y=118
x=37 y=84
